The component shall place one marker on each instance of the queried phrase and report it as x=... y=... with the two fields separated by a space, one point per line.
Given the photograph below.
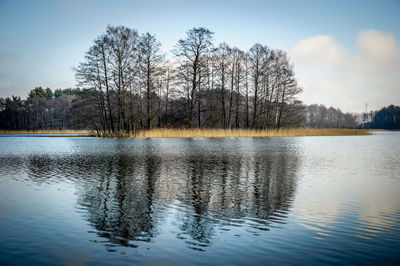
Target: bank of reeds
x=232 y=133
x=51 y=132
x=205 y=133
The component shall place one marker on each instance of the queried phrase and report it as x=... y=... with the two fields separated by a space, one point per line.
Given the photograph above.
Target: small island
x=128 y=88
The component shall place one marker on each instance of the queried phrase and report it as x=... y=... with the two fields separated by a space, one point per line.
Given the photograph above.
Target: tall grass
x=206 y=133
x=227 y=133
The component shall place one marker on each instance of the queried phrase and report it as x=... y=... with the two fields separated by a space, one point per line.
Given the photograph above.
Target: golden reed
x=233 y=133
x=206 y=133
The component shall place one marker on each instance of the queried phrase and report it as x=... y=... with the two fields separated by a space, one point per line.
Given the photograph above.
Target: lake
x=233 y=201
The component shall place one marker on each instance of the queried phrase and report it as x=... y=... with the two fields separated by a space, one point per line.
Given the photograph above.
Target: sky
x=345 y=53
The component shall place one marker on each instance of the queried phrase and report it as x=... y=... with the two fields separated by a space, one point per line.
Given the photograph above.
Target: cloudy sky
x=345 y=53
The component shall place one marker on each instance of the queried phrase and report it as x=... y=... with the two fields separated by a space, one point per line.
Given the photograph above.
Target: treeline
x=321 y=117
x=203 y=85
x=386 y=118
x=76 y=109
x=126 y=83
x=45 y=109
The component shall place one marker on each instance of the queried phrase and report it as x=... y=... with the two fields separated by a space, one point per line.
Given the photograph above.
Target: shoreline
x=42 y=131
x=198 y=133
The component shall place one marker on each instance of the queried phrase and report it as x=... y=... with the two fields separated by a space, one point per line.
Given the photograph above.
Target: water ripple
x=224 y=199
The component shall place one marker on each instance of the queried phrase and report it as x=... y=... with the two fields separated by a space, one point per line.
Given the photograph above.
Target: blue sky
x=42 y=40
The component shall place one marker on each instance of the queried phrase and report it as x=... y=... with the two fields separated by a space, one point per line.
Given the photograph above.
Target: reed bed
x=234 y=133
x=52 y=132
x=205 y=133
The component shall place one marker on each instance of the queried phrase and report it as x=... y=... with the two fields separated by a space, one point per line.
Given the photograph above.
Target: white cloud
x=378 y=44
x=333 y=75
x=319 y=49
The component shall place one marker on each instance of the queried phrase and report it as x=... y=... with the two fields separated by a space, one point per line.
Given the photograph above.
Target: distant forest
x=126 y=83
x=386 y=118
x=76 y=109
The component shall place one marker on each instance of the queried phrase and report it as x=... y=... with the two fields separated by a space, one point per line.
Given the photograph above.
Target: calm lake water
x=295 y=200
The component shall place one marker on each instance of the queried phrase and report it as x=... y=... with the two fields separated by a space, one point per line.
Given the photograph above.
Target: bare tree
x=256 y=54
x=151 y=59
x=198 y=41
x=223 y=52
x=123 y=60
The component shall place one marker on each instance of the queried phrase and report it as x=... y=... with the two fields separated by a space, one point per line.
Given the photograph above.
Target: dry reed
x=207 y=133
x=232 y=133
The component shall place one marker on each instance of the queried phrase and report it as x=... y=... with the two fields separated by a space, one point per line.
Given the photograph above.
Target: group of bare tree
x=129 y=84
x=203 y=85
x=322 y=117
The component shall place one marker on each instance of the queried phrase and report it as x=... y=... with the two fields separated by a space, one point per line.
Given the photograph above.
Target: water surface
x=294 y=200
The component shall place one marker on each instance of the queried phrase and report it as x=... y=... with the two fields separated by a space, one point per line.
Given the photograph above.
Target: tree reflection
x=127 y=195
x=120 y=205
x=227 y=187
